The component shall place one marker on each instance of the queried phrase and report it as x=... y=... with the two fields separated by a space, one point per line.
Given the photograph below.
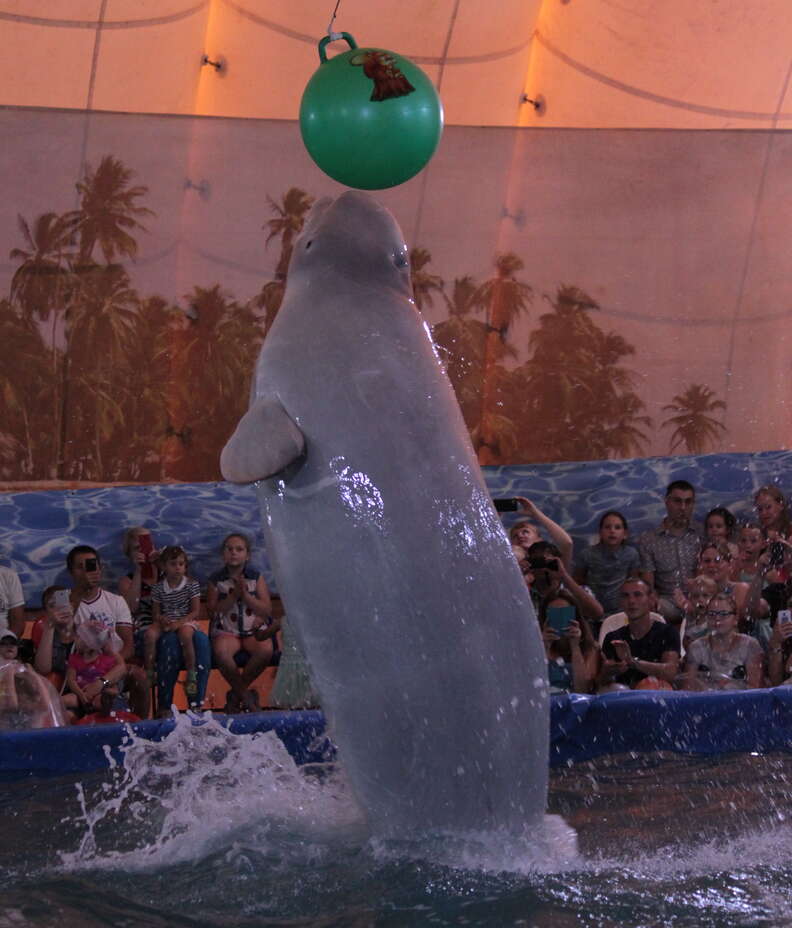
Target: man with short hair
x=94 y=605
x=645 y=648
x=669 y=553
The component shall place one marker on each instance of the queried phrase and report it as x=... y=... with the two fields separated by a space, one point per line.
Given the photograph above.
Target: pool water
x=207 y=828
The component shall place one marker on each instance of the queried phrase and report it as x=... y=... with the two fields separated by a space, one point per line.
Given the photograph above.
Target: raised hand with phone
x=569 y=645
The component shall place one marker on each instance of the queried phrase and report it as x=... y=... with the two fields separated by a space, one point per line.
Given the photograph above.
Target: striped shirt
x=175 y=601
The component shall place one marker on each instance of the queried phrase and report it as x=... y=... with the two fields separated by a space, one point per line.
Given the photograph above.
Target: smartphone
x=559 y=618
x=90 y=564
x=60 y=599
x=784 y=616
x=506 y=505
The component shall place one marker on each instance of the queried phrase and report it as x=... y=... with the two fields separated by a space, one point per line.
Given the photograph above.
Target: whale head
x=355 y=236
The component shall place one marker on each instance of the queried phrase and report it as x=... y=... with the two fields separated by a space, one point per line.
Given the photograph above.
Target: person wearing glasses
x=723 y=659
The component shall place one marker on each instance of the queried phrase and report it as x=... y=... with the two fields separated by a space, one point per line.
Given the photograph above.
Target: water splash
x=179 y=799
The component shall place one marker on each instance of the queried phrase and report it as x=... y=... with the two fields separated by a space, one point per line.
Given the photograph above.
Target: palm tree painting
x=287 y=224
x=505 y=298
x=694 y=427
x=424 y=284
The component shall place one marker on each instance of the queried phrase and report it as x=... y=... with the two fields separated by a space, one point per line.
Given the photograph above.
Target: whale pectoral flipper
x=265 y=441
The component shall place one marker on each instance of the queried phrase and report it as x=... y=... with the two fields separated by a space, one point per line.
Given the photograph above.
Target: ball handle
x=332 y=38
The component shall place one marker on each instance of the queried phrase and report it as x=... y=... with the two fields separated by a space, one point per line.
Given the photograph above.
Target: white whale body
x=390 y=559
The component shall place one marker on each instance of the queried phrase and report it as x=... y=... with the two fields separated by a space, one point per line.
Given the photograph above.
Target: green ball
x=370 y=118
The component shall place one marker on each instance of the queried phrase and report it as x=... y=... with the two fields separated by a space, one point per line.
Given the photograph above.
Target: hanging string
x=334 y=35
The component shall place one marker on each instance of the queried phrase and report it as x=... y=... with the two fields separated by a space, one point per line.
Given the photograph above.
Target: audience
x=720 y=589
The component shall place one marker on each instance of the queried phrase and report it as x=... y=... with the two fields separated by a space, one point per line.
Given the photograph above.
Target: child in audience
x=607 y=564
x=525 y=532
x=720 y=525
x=238 y=602
x=175 y=606
x=750 y=547
x=90 y=668
x=700 y=591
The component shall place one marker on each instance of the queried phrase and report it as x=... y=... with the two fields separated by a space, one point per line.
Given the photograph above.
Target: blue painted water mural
x=38 y=528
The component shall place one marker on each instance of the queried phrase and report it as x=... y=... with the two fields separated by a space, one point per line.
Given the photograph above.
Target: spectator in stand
x=176 y=605
x=644 y=651
x=53 y=638
x=12 y=602
x=694 y=603
x=773 y=512
x=526 y=532
x=239 y=604
x=135 y=587
x=720 y=525
x=751 y=544
x=715 y=561
x=723 y=659
x=90 y=669
x=549 y=575
x=670 y=552
x=100 y=608
x=779 y=652
x=620 y=620
x=572 y=654
x=607 y=564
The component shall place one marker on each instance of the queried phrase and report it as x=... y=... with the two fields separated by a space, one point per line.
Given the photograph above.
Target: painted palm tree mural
x=286 y=225
x=694 y=427
x=105 y=383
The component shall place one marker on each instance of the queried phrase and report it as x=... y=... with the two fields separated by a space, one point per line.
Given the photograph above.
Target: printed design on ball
x=381 y=68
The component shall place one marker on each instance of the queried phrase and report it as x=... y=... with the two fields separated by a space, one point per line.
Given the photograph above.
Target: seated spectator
x=715 y=561
x=572 y=656
x=724 y=658
x=526 y=532
x=693 y=603
x=619 y=619
x=772 y=512
x=100 y=608
x=751 y=544
x=670 y=552
x=12 y=602
x=779 y=652
x=135 y=587
x=720 y=525
x=110 y=711
x=176 y=605
x=548 y=574
x=607 y=564
x=645 y=649
x=180 y=644
x=27 y=700
x=239 y=605
x=89 y=669
x=53 y=638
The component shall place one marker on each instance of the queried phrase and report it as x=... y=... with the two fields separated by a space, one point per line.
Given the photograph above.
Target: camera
x=90 y=564
x=546 y=563
x=506 y=505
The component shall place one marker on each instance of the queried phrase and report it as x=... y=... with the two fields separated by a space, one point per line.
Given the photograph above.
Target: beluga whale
x=392 y=564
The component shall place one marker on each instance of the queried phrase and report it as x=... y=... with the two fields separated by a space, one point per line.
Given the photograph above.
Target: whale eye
x=308 y=244
x=400 y=259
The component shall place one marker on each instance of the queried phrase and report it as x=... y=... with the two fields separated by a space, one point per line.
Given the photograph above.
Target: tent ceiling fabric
x=720 y=64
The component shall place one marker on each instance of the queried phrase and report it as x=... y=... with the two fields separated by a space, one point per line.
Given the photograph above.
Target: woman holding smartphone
x=779 y=651
x=572 y=654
